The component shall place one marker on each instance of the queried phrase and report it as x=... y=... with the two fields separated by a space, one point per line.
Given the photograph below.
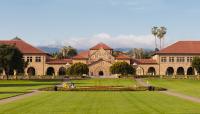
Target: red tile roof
x=101 y=45
x=82 y=55
x=24 y=47
x=59 y=61
x=182 y=47
x=144 y=61
x=122 y=56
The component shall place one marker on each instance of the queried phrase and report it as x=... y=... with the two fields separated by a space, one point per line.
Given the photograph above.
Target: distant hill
x=49 y=49
x=53 y=49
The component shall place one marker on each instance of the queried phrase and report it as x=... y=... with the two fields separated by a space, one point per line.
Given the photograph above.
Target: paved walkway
x=168 y=92
x=11 y=99
x=186 y=97
x=141 y=82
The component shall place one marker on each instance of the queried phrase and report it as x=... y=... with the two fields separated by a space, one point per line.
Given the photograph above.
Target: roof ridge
x=100 y=45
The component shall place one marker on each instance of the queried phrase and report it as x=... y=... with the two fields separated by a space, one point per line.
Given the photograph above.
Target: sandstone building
x=172 y=60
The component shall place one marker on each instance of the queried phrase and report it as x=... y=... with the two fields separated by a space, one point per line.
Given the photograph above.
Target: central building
x=99 y=59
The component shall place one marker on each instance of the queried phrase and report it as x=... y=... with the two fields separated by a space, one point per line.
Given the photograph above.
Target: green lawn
x=100 y=103
x=105 y=82
x=21 y=86
x=185 y=86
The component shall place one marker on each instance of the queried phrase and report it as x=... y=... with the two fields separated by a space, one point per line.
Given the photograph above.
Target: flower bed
x=103 y=88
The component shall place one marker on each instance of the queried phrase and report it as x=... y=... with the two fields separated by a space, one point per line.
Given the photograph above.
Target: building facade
x=173 y=60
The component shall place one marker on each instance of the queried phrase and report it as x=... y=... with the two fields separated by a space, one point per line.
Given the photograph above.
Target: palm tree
x=161 y=33
x=154 y=31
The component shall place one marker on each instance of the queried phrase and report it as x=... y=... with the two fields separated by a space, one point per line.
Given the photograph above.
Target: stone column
x=15 y=74
x=4 y=73
x=174 y=75
x=186 y=76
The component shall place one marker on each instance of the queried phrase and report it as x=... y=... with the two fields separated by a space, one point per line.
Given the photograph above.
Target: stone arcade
x=172 y=60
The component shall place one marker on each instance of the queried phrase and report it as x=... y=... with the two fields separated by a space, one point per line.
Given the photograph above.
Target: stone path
x=11 y=99
x=183 y=96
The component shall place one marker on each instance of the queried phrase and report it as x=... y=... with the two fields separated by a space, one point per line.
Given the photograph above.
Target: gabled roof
x=82 y=55
x=59 y=61
x=101 y=45
x=93 y=62
x=144 y=61
x=24 y=47
x=182 y=47
x=122 y=56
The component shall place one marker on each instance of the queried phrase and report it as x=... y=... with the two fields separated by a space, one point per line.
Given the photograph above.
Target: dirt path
x=168 y=92
x=11 y=99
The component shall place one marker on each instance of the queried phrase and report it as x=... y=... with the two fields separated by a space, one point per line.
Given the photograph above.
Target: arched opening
x=31 y=71
x=180 y=71
x=20 y=72
x=1 y=71
x=100 y=73
x=139 y=71
x=169 y=71
x=151 y=71
x=50 y=71
x=10 y=72
x=62 y=71
x=190 y=71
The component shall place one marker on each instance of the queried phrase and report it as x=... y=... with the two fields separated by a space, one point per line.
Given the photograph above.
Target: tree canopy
x=68 y=52
x=78 y=69
x=11 y=59
x=196 y=64
x=122 y=68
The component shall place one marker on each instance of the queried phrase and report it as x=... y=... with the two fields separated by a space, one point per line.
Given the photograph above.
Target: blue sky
x=82 y=23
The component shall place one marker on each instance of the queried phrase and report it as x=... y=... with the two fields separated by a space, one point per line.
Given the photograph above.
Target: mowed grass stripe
x=100 y=103
x=188 y=87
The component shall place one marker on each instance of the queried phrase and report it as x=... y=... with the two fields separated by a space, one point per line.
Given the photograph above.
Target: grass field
x=98 y=102
x=185 y=86
x=20 y=86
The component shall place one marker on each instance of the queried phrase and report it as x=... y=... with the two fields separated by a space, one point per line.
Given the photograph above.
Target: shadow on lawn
x=11 y=92
x=21 y=85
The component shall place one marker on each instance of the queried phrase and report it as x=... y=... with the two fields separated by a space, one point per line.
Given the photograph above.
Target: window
x=180 y=59
x=29 y=59
x=171 y=59
x=37 y=59
x=189 y=59
x=163 y=59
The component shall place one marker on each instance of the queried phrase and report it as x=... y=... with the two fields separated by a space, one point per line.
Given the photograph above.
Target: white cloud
x=119 y=41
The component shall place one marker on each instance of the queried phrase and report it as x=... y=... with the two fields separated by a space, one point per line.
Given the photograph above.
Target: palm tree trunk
x=155 y=43
x=163 y=43
x=160 y=44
